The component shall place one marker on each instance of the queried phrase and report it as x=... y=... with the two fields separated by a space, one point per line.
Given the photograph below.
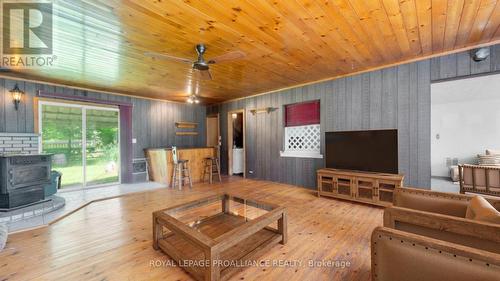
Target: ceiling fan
x=200 y=64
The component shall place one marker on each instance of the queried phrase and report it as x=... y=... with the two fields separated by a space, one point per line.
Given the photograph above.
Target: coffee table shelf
x=215 y=237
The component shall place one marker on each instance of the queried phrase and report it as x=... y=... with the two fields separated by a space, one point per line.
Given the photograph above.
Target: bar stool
x=213 y=167
x=181 y=171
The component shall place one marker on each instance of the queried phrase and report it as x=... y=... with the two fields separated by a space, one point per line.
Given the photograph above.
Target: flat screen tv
x=372 y=151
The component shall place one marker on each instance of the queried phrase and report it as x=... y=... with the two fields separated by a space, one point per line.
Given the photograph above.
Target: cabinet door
x=386 y=191
x=345 y=186
x=365 y=189
x=327 y=183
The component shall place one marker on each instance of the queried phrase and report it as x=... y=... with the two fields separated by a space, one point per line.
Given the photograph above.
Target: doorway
x=468 y=108
x=213 y=130
x=84 y=141
x=236 y=143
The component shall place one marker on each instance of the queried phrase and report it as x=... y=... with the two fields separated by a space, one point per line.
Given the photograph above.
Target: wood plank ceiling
x=101 y=44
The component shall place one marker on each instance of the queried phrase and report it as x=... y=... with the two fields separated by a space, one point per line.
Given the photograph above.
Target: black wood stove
x=22 y=178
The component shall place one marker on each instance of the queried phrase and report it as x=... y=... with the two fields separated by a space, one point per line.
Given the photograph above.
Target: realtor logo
x=27 y=34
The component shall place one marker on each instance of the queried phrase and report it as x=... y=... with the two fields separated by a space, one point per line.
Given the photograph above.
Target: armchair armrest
x=453 y=229
x=445 y=203
x=402 y=256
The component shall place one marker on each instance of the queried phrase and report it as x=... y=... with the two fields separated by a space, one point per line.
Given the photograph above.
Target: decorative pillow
x=4 y=230
x=489 y=160
x=492 y=152
x=481 y=210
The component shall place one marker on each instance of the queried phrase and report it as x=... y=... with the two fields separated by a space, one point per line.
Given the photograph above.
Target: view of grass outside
x=62 y=137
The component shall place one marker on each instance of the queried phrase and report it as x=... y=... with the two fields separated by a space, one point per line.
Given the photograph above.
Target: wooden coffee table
x=214 y=237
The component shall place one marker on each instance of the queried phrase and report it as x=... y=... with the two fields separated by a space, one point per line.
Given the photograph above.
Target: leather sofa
x=427 y=237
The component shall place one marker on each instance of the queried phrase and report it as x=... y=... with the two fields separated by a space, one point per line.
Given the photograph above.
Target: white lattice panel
x=303 y=138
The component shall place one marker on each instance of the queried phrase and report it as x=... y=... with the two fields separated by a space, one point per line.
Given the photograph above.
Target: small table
x=214 y=237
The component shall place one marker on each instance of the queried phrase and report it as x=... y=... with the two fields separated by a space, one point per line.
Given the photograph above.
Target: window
x=302 y=130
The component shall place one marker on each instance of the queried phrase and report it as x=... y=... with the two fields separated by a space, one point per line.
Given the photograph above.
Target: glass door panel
x=102 y=147
x=61 y=128
x=84 y=141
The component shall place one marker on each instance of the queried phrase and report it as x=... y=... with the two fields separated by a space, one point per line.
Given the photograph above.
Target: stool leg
x=207 y=171
x=179 y=172
x=211 y=169
x=189 y=177
x=218 y=169
x=204 y=171
x=172 y=185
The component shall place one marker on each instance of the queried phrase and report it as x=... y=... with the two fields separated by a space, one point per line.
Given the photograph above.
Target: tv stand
x=367 y=187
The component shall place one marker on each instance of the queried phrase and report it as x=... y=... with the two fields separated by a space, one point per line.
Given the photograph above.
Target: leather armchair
x=403 y=256
x=427 y=237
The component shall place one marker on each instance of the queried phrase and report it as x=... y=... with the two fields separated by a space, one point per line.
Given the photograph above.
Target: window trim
x=301 y=154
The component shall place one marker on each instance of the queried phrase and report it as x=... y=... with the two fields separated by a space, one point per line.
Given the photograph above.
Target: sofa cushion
x=489 y=160
x=492 y=151
x=3 y=235
x=481 y=210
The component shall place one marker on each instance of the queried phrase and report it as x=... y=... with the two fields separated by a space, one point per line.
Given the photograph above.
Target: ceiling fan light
x=190 y=100
x=196 y=101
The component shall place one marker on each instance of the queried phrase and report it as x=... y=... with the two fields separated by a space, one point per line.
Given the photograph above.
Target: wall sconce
x=17 y=95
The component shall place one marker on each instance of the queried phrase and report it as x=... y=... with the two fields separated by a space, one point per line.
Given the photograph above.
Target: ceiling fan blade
x=227 y=57
x=205 y=74
x=167 y=57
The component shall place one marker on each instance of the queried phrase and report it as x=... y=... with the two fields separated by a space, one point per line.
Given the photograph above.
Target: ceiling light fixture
x=193 y=99
x=480 y=54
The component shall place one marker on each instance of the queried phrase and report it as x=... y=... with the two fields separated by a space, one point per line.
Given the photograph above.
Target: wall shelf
x=186 y=125
x=186 y=133
x=262 y=110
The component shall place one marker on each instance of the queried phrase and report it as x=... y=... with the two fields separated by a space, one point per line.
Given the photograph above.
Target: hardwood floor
x=112 y=239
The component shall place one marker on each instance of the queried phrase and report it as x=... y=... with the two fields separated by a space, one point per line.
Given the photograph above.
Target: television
x=371 y=151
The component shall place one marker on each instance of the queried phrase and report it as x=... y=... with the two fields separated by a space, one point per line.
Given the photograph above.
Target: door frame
x=215 y=115
x=230 y=142
x=39 y=105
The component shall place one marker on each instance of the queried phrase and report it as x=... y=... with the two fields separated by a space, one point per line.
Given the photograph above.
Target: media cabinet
x=367 y=187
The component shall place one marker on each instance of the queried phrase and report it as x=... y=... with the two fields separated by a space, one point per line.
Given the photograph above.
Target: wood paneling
x=101 y=44
x=460 y=65
x=153 y=122
x=111 y=239
x=396 y=97
x=382 y=99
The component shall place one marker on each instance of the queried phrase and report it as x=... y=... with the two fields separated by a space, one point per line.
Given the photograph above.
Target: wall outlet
x=134 y=140
x=250 y=172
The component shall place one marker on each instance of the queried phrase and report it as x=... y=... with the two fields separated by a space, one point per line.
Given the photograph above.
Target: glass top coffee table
x=214 y=237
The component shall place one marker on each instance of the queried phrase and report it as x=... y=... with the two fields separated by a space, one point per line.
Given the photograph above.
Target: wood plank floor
x=111 y=240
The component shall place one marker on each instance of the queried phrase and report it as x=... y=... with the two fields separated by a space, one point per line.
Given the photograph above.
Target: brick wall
x=25 y=143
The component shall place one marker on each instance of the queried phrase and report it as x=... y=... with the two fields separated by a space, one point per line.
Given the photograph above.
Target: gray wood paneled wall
x=461 y=65
x=153 y=121
x=396 y=97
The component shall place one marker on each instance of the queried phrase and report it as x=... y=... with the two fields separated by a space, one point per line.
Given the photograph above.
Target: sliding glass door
x=102 y=150
x=62 y=136
x=84 y=141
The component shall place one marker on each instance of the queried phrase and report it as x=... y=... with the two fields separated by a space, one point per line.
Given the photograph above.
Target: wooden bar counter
x=160 y=164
